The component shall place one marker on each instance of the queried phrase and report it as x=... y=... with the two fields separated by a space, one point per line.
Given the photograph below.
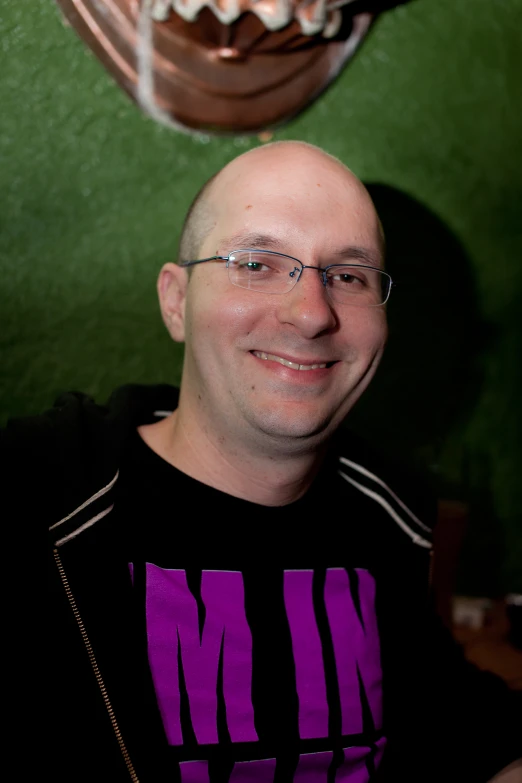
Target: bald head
x=281 y=160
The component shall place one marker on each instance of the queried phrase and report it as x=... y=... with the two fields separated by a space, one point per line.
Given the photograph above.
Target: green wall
x=93 y=194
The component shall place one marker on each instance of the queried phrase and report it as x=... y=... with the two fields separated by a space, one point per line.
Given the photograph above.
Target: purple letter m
x=173 y=627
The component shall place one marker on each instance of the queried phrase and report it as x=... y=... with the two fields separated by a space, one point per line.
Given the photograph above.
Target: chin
x=281 y=426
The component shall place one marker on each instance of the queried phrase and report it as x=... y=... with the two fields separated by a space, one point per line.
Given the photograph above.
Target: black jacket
x=444 y=719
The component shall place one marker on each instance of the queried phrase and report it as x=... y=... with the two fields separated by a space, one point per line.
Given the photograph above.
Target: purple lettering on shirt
x=354 y=769
x=167 y=598
x=313 y=767
x=223 y=594
x=194 y=771
x=261 y=771
x=172 y=625
x=308 y=654
x=380 y=745
x=356 y=646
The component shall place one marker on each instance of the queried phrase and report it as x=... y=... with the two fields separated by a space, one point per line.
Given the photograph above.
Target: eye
x=258 y=262
x=254 y=266
x=349 y=279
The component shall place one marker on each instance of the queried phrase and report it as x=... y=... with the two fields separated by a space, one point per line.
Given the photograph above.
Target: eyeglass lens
x=277 y=274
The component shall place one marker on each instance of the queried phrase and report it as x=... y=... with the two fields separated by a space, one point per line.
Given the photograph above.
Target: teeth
x=292 y=365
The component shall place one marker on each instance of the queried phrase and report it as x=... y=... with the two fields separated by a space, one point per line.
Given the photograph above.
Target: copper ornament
x=221 y=66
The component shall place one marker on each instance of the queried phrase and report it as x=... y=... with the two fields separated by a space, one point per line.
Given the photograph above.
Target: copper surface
x=215 y=76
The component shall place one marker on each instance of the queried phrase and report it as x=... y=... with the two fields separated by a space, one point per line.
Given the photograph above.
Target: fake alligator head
x=222 y=66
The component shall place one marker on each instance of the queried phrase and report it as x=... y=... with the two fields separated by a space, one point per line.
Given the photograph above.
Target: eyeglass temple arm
x=203 y=260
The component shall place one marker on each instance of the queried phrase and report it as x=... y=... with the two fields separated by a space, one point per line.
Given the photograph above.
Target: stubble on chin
x=283 y=432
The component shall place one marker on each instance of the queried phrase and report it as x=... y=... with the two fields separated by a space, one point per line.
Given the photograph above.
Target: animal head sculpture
x=222 y=66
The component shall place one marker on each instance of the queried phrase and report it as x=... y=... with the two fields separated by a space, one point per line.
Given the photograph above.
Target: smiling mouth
x=293 y=365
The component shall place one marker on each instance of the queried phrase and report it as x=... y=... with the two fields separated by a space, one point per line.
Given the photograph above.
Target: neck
x=269 y=477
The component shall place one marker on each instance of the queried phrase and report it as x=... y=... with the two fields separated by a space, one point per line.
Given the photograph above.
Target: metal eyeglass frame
x=322 y=270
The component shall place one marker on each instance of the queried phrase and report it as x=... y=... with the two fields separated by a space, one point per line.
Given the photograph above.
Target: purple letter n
x=173 y=626
x=355 y=643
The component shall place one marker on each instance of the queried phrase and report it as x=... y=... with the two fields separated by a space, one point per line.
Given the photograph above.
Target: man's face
x=306 y=206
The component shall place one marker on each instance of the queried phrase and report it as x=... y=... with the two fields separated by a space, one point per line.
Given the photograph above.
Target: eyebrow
x=259 y=241
x=360 y=254
x=268 y=242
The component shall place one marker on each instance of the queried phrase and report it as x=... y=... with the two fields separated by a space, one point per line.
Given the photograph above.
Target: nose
x=307 y=306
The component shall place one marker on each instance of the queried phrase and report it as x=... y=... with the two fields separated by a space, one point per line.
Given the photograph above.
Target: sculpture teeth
x=313 y=17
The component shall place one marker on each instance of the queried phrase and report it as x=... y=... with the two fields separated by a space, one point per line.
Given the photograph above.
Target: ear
x=172 y=291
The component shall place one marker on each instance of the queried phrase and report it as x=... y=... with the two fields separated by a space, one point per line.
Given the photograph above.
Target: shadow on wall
x=430 y=377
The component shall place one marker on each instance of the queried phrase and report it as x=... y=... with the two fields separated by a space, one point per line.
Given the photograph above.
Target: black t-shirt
x=207 y=618
x=296 y=644
x=260 y=626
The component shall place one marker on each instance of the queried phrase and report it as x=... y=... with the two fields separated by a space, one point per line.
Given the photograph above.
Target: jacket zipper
x=96 y=670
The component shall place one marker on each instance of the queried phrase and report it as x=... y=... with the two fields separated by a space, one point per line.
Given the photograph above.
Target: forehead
x=299 y=207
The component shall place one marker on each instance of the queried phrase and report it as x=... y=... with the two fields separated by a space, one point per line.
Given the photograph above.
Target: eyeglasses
x=275 y=273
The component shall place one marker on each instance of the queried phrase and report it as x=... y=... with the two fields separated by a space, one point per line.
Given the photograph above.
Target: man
x=240 y=591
